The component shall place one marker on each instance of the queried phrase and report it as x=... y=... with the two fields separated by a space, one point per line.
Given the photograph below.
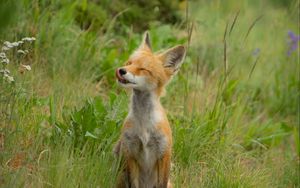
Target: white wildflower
x=8 y=44
x=15 y=44
x=4 y=48
x=2 y=55
x=5 y=60
x=25 y=38
x=20 y=42
x=8 y=78
x=5 y=71
x=21 y=52
x=29 y=39
x=27 y=67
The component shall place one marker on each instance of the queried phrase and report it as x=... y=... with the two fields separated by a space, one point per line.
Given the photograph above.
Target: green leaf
x=88 y=134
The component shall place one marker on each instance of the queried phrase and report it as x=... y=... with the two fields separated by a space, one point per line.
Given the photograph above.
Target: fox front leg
x=163 y=171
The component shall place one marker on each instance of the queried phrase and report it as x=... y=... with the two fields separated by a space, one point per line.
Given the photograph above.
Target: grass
x=60 y=121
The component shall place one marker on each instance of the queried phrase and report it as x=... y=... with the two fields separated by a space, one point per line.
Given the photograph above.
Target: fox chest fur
x=143 y=140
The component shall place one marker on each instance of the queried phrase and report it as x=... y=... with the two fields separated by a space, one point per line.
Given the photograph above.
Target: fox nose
x=122 y=71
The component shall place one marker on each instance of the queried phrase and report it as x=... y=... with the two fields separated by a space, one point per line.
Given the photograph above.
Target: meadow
x=233 y=106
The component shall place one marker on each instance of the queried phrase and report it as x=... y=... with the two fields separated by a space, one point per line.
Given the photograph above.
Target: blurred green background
x=233 y=107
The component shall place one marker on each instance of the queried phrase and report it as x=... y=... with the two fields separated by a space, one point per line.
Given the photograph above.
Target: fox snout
x=130 y=79
x=120 y=72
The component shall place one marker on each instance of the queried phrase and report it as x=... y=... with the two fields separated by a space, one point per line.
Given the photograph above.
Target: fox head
x=148 y=71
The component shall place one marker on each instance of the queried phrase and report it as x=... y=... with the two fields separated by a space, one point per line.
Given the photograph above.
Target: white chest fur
x=146 y=147
x=143 y=140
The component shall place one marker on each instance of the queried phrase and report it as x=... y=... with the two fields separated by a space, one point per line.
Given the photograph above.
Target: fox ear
x=173 y=58
x=146 y=41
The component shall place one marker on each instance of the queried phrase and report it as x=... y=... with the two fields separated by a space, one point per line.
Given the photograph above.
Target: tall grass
x=233 y=110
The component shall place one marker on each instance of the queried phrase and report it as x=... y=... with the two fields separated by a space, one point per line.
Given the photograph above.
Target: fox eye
x=143 y=69
x=128 y=63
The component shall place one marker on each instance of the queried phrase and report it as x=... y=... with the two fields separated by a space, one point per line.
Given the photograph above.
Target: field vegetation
x=233 y=107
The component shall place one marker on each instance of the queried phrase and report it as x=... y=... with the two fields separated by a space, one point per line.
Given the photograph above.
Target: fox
x=145 y=143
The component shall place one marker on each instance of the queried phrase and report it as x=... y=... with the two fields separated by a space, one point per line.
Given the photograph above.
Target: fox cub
x=146 y=138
